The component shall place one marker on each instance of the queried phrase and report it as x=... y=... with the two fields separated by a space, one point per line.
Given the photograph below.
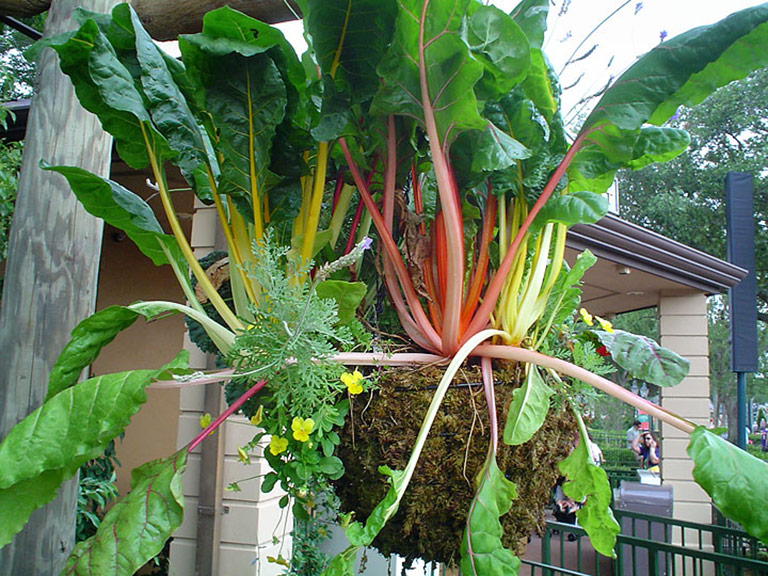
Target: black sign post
x=740 y=226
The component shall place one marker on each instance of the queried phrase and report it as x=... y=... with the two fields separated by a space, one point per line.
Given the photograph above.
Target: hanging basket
x=382 y=429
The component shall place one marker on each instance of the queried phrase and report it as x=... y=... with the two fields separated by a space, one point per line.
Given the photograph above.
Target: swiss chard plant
x=433 y=126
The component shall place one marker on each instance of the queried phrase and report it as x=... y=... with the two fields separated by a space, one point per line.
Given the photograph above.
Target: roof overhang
x=637 y=266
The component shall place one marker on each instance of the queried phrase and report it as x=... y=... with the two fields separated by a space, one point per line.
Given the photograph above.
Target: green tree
x=17 y=74
x=685 y=200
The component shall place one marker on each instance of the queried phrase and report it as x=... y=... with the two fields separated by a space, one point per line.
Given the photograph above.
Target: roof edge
x=631 y=245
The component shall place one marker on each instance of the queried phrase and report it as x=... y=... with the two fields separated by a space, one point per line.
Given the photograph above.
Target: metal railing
x=652 y=546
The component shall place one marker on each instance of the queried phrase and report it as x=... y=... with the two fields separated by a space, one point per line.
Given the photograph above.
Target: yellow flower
x=205 y=421
x=258 y=417
x=277 y=445
x=586 y=316
x=302 y=428
x=243 y=456
x=605 y=324
x=352 y=381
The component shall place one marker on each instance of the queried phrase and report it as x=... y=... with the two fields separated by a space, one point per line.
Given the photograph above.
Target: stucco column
x=683 y=328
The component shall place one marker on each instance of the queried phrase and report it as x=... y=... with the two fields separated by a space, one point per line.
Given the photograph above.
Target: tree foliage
x=685 y=200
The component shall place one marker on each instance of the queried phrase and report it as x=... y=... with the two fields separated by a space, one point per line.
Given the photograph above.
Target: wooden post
x=50 y=280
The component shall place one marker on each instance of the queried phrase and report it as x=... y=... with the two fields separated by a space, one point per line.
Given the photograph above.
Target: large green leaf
x=72 y=427
x=541 y=85
x=494 y=149
x=528 y=410
x=575 y=208
x=350 y=38
x=106 y=88
x=85 y=343
x=643 y=358
x=136 y=528
x=451 y=72
x=611 y=148
x=169 y=109
x=482 y=553
x=684 y=70
x=20 y=500
x=500 y=45
x=531 y=16
x=99 y=329
x=589 y=484
x=733 y=479
x=246 y=98
x=121 y=208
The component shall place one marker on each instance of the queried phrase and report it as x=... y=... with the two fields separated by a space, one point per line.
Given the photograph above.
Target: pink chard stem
x=450 y=207
x=483 y=314
x=226 y=414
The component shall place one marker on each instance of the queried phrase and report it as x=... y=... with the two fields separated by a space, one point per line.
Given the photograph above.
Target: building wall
x=125 y=276
x=683 y=328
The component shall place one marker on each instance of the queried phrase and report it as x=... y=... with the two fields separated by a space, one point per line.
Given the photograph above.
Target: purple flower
x=662 y=35
x=365 y=243
x=638 y=7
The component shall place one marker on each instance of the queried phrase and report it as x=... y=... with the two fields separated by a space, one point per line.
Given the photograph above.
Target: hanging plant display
x=397 y=198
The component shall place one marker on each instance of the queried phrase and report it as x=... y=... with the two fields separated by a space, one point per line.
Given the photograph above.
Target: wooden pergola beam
x=166 y=19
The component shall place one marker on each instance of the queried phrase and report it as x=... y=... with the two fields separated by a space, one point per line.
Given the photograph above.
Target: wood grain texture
x=50 y=281
x=166 y=19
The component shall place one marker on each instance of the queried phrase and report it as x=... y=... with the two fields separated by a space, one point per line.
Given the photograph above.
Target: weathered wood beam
x=50 y=279
x=166 y=19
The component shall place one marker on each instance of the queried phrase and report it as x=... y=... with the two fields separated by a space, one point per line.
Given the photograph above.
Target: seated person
x=647 y=449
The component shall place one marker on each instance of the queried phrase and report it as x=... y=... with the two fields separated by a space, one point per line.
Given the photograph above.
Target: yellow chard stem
x=234 y=249
x=202 y=279
x=313 y=216
x=502 y=215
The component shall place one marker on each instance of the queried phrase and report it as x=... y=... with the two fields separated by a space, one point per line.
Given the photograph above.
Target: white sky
x=625 y=36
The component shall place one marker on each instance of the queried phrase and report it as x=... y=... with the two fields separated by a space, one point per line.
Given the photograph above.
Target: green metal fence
x=652 y=546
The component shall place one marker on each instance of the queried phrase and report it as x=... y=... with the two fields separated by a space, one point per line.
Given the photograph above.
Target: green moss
x=382 y=428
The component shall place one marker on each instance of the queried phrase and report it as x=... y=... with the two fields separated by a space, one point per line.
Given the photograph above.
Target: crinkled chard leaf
x=451 y=71
x=643 y=358
x=528 y=410
x=685 y=70
x=589 y=484
x=575 y=208
x=734 y=479
x=123 y=209
x=482 y=553
x=69 y=429
x=136 y=528
x=105 y=87
x=349 y=40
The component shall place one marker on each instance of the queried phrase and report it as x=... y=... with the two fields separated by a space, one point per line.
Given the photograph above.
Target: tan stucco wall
x=125 y=276
x=683 y=328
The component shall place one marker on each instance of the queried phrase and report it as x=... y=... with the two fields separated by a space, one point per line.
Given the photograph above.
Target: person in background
x=763 y=436
x=632 y=434
x=647 y=449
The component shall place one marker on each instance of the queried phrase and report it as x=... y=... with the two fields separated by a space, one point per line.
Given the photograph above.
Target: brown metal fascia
x=628 y=244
